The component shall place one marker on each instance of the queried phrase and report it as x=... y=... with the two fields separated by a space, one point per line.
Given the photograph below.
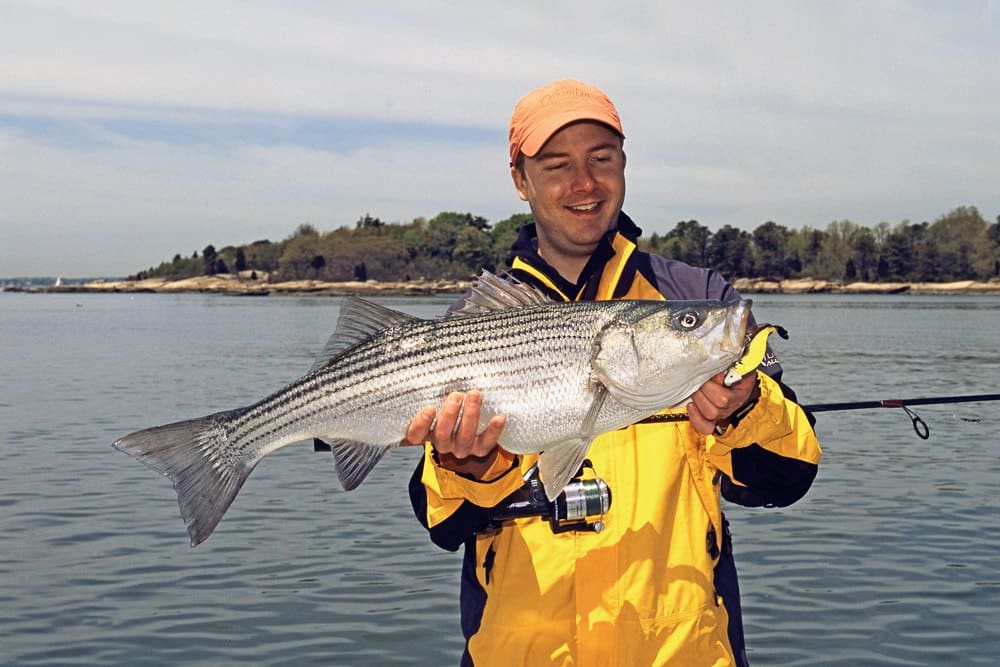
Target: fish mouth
x=735 y=332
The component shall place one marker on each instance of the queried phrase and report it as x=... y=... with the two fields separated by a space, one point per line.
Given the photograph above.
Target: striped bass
x=561 y=373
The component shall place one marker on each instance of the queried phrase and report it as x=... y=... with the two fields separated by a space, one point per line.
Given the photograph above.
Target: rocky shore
x=810 y=286
x=242 y=286
x=238 y=286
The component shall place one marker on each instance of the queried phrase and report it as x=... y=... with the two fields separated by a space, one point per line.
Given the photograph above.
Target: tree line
x=959 y=245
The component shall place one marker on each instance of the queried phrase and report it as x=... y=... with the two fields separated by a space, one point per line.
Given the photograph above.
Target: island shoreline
x=231 y=285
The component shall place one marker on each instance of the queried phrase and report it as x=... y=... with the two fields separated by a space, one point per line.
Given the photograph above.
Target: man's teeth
x=585 y=207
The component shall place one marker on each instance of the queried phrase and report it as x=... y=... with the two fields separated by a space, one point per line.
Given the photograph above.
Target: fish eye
x=689 y=320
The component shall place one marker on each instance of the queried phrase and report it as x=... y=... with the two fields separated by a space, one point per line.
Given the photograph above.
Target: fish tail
x=198 y=458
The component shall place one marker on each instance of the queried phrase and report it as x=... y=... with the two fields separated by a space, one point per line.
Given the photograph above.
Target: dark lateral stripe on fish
x=367 y=380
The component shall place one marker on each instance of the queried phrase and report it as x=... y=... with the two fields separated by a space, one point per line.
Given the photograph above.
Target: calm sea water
x=890 y=560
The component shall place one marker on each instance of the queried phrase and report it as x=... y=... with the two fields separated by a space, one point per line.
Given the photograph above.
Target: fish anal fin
x=558 y=464
x=354 y=460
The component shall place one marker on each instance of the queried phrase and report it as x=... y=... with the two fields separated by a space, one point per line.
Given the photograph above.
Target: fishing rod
x=756 y=348
x=919 y=425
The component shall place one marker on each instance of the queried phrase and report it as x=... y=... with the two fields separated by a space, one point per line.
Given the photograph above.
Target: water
x=890 y=560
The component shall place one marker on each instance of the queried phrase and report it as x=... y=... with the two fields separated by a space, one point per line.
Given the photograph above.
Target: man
x=658 y=584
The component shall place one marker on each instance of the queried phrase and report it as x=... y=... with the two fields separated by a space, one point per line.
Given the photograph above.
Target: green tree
x=930 y=266
x=958 y=245
x=866 y=253
x=899 y=252
x=368 y=222
x=688 y=242
x=263 y=255
x=835 y=251
x=729 y=252
x=462 y=219
x=769 y=239
x=209 y=256
x=805 y=245
x=297 y=253
x=472 y=252
x=448 y=232
x=502 y=237
x=993 y=239
x=318 y=263
x=306 y=229
x=962 y=243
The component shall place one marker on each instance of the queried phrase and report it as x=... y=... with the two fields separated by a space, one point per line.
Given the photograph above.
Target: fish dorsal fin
x=492 y=292
x=359 y=321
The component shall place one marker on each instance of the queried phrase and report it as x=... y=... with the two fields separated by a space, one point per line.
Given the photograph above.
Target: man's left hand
x=714 y=402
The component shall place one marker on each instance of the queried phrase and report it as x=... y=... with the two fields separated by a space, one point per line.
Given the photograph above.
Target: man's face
x=575 y=186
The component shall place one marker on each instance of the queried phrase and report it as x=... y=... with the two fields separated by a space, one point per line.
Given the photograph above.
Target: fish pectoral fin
x=590 y=419
x=558 y=464
x=354 y=460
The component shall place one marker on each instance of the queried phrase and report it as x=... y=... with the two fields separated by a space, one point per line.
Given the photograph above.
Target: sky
x=131 y=131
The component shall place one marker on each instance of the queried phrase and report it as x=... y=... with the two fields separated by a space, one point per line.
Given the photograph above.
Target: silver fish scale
x=372 y=391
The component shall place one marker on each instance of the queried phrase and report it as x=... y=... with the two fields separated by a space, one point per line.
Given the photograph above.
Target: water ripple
x=890 y=560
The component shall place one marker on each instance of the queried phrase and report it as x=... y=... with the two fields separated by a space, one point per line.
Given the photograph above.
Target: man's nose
x=583 y=178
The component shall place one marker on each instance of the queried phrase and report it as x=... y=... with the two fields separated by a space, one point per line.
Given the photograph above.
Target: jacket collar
x=528 y=264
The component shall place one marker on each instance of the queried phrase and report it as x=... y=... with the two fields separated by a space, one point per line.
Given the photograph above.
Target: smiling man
x=576 y=184
x=657 y=583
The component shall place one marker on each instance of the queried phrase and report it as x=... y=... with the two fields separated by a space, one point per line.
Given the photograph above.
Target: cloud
x=133 y=130
x=128 y=204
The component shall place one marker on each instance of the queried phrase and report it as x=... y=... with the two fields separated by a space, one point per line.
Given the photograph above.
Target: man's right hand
x=454 y=433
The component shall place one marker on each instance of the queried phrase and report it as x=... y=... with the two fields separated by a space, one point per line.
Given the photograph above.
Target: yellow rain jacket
x=658 y=585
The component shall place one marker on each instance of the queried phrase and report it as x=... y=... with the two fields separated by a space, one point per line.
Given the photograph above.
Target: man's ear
x=520 y=183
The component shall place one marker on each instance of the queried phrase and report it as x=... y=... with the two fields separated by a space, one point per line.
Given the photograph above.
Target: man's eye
x=556 y=166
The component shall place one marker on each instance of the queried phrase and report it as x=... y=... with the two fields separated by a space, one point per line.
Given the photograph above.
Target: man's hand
x=454 y=433
x=714 y=402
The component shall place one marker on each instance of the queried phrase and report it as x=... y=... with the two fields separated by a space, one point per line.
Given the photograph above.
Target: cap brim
x=540 y=134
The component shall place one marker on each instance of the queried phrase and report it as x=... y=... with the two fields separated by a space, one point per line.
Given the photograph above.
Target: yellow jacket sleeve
x=772 y=450
x=447 y=490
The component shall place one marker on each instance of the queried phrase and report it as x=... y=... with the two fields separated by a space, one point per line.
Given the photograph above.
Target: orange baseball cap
x=540 y=113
